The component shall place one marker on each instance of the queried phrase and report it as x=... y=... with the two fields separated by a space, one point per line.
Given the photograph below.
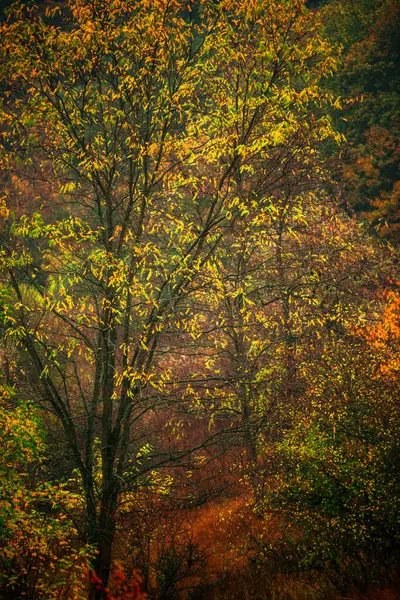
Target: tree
x=146 y=129
x=334 y=476
x=38 y=536
x=368 y=80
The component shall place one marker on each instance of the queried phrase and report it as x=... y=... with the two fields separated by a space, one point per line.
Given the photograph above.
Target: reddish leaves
x=122 y=587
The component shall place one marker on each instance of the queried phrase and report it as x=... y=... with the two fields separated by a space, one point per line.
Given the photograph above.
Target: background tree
x=336 y=482
x=369 y=81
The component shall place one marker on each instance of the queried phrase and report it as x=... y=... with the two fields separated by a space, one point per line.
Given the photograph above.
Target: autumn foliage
x=124 y=588
x=199 y=299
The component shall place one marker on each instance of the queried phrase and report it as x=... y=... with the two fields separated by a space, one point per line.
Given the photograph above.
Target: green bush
x=336 y=491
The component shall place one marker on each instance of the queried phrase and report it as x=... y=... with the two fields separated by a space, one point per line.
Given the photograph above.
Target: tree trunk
x=104 y=538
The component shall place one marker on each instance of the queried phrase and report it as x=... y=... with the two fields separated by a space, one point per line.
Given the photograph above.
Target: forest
x=200 y=300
